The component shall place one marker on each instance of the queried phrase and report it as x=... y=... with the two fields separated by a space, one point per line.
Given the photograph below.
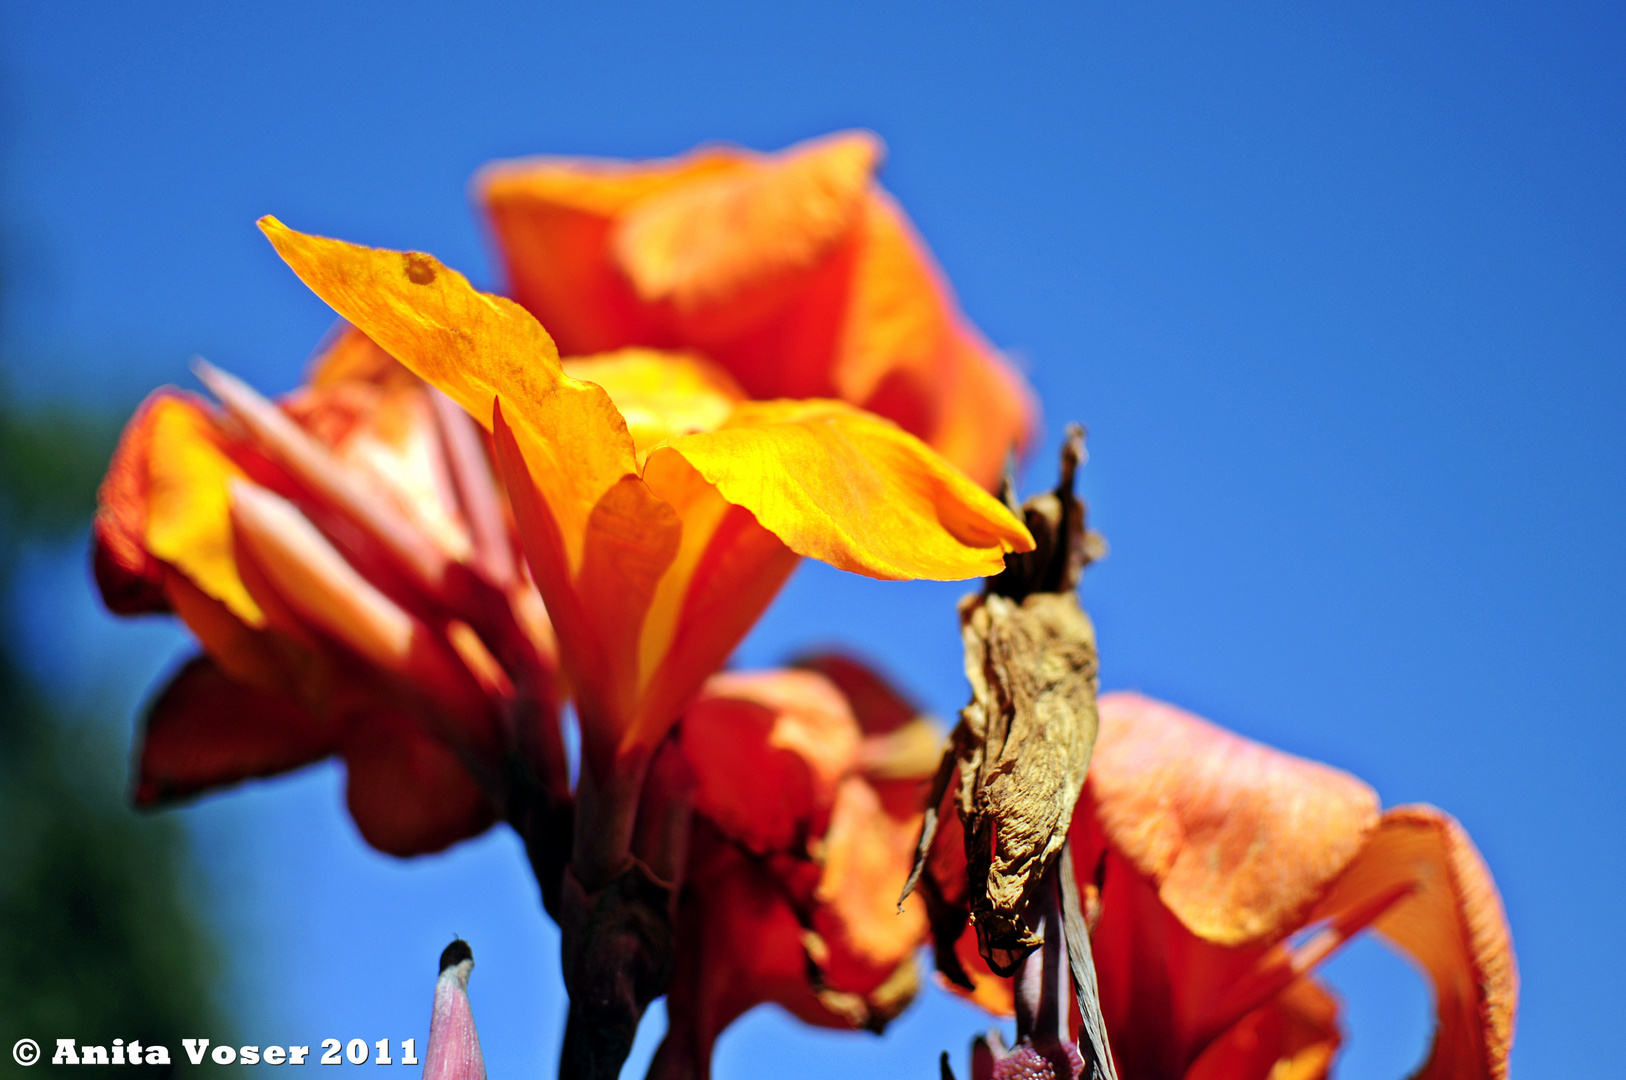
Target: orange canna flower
x=659 y=511
x=344 y=561
x=794 y=271
x=808 y=792
x=1218 y=873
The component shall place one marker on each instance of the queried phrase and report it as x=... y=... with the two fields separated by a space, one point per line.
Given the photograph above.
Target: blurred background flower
x=1337 y=293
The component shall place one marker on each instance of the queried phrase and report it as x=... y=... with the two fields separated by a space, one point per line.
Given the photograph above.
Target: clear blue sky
x=1340 y=292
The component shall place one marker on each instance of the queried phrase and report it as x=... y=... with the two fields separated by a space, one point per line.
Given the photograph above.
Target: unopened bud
x=454 y=1045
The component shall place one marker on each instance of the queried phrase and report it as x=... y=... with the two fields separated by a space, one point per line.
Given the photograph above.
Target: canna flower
x=1218 y=873
x=344 y=562
x=808 y=791
x=794 y=271
x=659 y=510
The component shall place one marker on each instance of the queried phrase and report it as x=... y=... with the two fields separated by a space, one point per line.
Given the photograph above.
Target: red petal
x=205 y=731
x=408 y=793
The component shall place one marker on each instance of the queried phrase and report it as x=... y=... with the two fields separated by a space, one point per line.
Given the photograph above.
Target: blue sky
x=1339 y=294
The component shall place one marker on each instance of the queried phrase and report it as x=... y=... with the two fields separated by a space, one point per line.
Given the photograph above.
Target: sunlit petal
x=846 y=487
x=188 y=522
x=477 y=348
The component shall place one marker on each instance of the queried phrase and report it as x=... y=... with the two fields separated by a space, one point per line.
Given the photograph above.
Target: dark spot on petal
x=420 y=268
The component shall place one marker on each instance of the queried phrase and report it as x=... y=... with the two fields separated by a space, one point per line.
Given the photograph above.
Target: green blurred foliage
x=102 y=931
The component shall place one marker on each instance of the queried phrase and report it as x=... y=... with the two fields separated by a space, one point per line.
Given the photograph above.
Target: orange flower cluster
x=809 y=785
x=1219 y=873
x=480 y=508
x=344 y=561
x=794 y=271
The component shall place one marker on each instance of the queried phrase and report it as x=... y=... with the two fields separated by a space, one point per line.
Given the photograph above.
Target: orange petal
x=1292 y=1038
x=348 y=355
x=408 y=793
x=768 y=751
x=477 y=348
x=259 y=657
x=877 y=705
x=739 y=944
x=632 y=538
x=313 y=578
x=388 y=443
x=1239 y=839
x=726 y=571
x=341 y=488
x=481 y=501
x=907 y=353
x=1453 y=925
x=553 y=218
x=313 y=581
x=714 y=238
x=792 y=270
x=846 y=487
x=206 y=730
x=867 y=855
x=600 y=612
x=898 y=320
x=985 y=413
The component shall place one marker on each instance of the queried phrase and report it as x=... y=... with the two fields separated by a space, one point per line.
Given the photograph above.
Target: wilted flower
x=794 y=271
x=344 y=560
x=1218 y=873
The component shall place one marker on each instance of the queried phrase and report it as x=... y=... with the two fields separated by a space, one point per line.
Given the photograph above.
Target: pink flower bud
x=454 y=1046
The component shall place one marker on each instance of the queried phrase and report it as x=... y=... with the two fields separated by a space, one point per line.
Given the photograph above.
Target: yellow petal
x=838 y=484
x=188 y=508
x=477 y=348
x=660 y=395
x=630 y=538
